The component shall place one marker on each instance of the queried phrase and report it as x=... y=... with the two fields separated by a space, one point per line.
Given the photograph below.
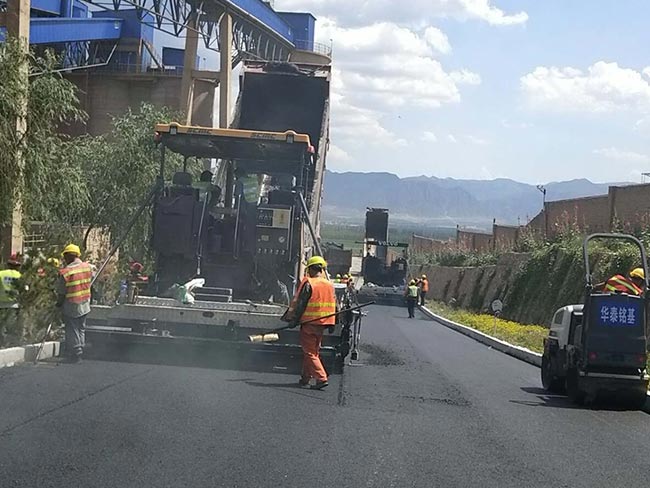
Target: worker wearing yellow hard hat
x=313 y=308
x=634 y=284
x=73 y=289
x=71 y=249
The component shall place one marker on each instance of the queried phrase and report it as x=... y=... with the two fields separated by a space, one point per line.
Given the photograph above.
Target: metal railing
x=133 y=68
x=315 y=47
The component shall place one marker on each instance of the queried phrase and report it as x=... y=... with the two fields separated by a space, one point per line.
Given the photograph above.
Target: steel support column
x=225 y=74
x=189 y=65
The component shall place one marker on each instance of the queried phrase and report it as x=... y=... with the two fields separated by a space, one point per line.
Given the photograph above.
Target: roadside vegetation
x=554 y=274
x=523 y=335
x=70 y=185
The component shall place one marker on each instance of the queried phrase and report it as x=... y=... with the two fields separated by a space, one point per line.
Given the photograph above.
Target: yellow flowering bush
x=524 y=335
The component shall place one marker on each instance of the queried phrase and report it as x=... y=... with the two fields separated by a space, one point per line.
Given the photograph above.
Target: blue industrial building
x=124 y=38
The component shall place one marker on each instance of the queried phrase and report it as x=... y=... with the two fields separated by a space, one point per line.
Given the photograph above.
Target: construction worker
x=634 y=285
x=423 y=284
x=9 y=283
x=345 y=279
x=411 y=294
x=73 y=291
x=314 y=301
x=337 y=279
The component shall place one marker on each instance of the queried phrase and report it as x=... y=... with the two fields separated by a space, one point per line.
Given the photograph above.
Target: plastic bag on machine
x=184 y=293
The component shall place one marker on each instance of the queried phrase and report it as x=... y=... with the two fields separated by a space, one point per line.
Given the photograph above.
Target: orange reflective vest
x=77 y=282
x=321 y=303
x=425 y=284
x=619 y=283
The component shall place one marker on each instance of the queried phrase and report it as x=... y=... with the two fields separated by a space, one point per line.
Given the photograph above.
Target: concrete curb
x=24 y=354
x=521 y=353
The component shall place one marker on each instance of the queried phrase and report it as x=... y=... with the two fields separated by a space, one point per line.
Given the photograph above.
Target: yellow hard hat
x=412 y=282
x=345 y=276
x=424 y=276
x=338 y=275
x=637 y=273
x=72 y=249
x=316 y=260
x=54 y=262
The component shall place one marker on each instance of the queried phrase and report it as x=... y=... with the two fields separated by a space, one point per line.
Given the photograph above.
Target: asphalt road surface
x=427 y=408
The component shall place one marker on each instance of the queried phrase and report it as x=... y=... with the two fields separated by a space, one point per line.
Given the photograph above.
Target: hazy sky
x=525 y=89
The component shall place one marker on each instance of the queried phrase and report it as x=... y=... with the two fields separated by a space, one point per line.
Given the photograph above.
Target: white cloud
x=479 y=141
x=515 y=125
x=437 y=40
x=465 y=77
x=428 y=136
x=336 y=155
x=416 y=13
x=604 y=87
x=622 y=155
x=451 y=138
x=352 y=125
x=387 y=65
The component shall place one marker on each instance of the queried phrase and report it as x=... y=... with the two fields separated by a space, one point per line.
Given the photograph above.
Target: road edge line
x=518 y=352
x=13 y=356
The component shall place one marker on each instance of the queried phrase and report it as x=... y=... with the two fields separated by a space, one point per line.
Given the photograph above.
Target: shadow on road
x=288 y=387
x=203 y=357
x=554 y=400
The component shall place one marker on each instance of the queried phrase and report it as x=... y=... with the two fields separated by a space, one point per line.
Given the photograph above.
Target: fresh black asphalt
x=426 y=407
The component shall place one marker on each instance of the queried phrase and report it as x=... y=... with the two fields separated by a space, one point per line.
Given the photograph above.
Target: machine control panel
x=273 y=230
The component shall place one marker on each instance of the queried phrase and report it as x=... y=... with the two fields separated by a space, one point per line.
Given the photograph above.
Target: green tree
x=119 y=169
x=48 y=183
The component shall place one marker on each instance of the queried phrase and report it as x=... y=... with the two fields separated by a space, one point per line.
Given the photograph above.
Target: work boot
x=319 y=385
x=303 y=383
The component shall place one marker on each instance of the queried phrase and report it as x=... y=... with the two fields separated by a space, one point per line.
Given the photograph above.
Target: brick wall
x=421 y=244
x=629 y=206
x=473 y=241
x=589 y=213
x=505 y=237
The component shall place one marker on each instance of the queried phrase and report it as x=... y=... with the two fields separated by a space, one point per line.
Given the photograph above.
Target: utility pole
x=17 y=22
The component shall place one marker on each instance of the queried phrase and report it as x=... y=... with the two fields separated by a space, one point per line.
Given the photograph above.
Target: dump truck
x=600 y=346
x=246 y=230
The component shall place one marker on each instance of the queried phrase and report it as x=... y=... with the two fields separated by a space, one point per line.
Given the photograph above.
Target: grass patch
x=524 y=335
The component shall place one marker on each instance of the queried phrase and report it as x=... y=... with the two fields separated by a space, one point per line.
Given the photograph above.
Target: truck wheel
x=550 y=381
x=575 y=394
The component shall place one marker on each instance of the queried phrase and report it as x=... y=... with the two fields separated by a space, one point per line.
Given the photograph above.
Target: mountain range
x=444 y=201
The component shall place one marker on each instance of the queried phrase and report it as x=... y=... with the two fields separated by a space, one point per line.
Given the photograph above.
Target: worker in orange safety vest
x=633 y=285
x=423 y=284
x=73 y=291
x=314 y=301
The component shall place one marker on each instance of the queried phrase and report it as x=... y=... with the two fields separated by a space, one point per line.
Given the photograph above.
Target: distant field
x=350 y=234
